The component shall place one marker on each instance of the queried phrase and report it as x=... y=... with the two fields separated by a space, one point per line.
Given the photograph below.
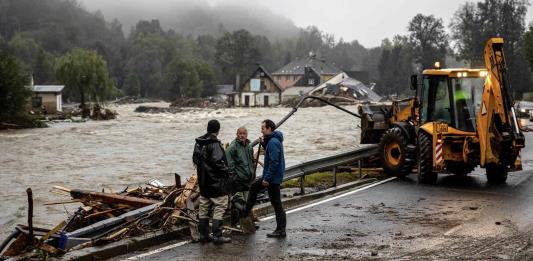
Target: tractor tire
x=496 y=173
x=394 y=153
x=461 y=169
x=425 y=159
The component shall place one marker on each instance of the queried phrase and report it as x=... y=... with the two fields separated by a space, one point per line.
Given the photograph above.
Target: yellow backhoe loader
x=459 y=119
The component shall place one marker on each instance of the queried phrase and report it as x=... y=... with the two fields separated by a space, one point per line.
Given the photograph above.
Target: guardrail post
x=360 y=170
x=302 y=186
x=334 y=176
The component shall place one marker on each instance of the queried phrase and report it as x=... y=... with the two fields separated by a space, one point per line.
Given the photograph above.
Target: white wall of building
x=257 y=99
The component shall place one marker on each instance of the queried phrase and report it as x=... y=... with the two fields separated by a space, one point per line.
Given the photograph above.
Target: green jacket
x=240 y=159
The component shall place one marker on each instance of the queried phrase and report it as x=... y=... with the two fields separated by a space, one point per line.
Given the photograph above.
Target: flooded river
x=136 y=147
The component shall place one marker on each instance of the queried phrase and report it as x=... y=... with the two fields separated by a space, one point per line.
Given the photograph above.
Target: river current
x=137 y=147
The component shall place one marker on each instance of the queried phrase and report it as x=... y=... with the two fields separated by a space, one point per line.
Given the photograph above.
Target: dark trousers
x=275 y=200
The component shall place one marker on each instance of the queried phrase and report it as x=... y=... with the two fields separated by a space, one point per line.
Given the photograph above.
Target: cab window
x=436 y=100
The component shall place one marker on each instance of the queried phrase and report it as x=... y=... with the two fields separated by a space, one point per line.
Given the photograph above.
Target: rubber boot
x=203 y=230
x=239 y=205
x=254 y=220
x=234 y=217
x=217 y=233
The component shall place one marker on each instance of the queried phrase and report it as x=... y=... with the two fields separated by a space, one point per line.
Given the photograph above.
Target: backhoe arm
x=497 y=126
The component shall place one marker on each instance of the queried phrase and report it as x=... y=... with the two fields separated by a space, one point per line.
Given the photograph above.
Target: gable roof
x=298 y=67
x=267 y=74
x=48 y=88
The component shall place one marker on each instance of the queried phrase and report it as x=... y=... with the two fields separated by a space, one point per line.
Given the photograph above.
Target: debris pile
x=154 y=109
x=98 y=113
x=75 y=114
x=198 y=103
x=106 y=217
x=133 y=99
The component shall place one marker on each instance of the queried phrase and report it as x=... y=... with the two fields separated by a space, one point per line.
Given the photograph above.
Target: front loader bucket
x=374 y=122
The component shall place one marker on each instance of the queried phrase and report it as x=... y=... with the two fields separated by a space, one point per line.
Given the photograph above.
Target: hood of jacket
x=207 y=138
x=275 y=135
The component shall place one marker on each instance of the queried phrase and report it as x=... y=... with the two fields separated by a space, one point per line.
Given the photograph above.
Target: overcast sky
x=368 y=21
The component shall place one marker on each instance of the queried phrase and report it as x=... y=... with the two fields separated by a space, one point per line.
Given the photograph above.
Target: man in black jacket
x=213 y=179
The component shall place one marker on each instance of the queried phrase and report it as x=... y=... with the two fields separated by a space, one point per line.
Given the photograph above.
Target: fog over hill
x=197 y=17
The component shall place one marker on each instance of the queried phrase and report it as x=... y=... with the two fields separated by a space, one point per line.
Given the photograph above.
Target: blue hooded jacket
x=274 y=166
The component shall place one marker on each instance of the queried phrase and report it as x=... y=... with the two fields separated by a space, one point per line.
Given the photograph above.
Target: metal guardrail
x=328 y=163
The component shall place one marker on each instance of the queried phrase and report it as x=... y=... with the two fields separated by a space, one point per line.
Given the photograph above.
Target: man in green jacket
x=240 y=155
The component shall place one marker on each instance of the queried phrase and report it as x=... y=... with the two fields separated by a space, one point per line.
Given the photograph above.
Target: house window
x=263 y=85
x=294 y=77
x=311 y=81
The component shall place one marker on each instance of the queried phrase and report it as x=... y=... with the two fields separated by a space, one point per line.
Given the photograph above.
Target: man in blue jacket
x=273 y=169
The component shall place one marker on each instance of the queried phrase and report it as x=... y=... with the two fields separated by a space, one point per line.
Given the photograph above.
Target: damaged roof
x=360 y=90
x=297 y=67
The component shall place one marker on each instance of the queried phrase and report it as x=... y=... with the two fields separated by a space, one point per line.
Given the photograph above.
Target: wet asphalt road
x=460 y=217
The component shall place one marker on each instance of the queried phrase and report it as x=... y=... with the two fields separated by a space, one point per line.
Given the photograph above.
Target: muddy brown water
x=137 y=147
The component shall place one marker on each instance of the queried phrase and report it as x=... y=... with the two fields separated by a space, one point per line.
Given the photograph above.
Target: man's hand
x=264 y=183
x=260 y=163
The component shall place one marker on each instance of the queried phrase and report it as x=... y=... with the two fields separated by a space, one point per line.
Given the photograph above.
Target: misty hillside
x=197 y=17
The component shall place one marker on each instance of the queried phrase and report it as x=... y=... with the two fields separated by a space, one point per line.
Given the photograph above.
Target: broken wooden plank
x=62 y=189
x=48 y=248
x=105 y=212
x=190 y=188
x=53 y=231
x=62 y=202
x=111 y=198
x=117 y=234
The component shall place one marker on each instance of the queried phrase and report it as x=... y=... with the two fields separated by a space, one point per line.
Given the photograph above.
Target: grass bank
x=325 y=179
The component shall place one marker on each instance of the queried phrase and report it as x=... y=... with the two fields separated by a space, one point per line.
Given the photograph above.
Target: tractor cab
x=451 y=96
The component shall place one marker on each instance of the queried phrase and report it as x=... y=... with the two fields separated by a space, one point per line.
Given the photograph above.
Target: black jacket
x=211 y=166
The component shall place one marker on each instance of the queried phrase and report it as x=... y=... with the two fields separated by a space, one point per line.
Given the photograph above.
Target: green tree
x=132 y=86
x=395 y=66
x=429 y=40
x=206 y=48
x=151 y=50
x=236 y=54
x=13 y=93
x=182 y=79
x=208 y=78
x=43 y=67
x=3 y=45
x=528 y=45
x=474 y=23
x=85 y=76
x=24 y=47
